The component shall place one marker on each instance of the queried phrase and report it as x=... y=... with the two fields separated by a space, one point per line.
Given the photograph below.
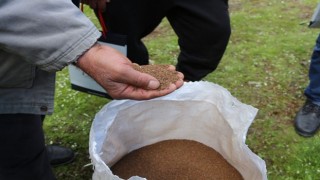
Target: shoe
x=307 y=120
x=59 y=155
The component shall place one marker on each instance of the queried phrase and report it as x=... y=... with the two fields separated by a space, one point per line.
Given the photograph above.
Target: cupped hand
x=115 y=73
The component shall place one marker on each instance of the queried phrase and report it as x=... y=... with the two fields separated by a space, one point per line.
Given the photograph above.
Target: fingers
x=180 y=82
x=141 y=80
x=166 y=74
x=143 y=86
x=116 y=74
x=142 y=94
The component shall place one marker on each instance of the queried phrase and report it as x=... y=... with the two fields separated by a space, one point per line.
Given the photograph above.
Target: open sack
x=199 y=111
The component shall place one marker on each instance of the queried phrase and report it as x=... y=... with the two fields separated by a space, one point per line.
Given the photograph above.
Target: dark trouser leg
x=307 y=120
x=22 y=153
x=135 y=19
x=58 y=155
x=203 y=29
x=76 y=2
x=313 y=89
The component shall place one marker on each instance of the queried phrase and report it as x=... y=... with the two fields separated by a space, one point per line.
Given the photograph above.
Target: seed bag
x=199 y=111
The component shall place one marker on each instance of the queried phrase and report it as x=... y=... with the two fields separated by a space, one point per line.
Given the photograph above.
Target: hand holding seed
x=165 y=74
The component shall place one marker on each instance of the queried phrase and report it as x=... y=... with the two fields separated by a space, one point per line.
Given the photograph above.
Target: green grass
x=265 y=65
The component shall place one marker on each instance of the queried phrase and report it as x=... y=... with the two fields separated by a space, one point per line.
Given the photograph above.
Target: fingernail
x=153 y=84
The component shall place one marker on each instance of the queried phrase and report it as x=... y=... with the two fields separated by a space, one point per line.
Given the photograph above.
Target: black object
x=59 y=155
x=22 y=152
x=90 y=91
x=76 y=2
x=307 y=120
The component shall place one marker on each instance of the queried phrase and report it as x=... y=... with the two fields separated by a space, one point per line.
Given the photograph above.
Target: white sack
x=199 y=111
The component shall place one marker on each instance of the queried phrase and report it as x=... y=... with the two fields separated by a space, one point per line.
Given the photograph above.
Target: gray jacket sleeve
x=47 y=33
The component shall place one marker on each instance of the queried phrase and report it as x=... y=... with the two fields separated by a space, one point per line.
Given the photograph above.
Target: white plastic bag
x=199 y=111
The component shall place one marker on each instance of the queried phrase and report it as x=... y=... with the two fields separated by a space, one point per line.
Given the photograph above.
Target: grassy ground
x=265 y=65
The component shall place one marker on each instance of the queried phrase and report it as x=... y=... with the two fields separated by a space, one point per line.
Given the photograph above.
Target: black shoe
x=307 y=120
x=59 y=155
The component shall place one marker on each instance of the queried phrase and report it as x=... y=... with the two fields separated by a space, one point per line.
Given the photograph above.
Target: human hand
x=96 y=4
x=115 y=73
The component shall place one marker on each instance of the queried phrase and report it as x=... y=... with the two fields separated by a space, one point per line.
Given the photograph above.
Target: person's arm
x=49 y=34
x=114 y=72
x=54 y=33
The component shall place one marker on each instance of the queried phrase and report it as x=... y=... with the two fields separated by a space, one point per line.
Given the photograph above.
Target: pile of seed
x=160 y=72
x=175 y=160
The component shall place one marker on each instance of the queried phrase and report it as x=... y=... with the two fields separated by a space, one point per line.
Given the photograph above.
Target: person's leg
x=23 y=154
x=203 y=29
x=313 y=89
x=135 y=19
x=76 y=2
x=58 y=155
x=307 y=120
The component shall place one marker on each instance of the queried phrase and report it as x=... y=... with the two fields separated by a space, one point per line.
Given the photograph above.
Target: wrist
x=86 y=56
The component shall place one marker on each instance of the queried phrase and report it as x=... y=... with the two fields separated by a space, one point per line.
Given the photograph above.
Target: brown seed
x=160 y=72
x=175 y=160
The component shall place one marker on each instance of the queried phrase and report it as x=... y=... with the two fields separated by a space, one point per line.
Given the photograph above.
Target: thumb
x=139 y=79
